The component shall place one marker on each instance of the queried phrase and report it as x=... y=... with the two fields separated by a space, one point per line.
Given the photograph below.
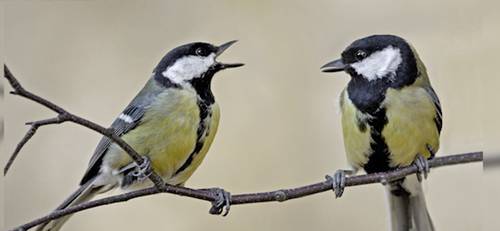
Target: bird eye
x=360 y=54
x=199 y=51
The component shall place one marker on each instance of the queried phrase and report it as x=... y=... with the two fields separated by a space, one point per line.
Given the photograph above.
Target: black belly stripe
x=378 y=159
x=368 y=96
x=201 y=133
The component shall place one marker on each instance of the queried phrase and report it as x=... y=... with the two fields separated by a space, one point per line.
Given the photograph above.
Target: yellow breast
x=410 y=128
x=167 y=134
x=356 y=141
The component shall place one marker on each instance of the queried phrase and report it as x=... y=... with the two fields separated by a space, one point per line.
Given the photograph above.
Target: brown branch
x=65 y=116
x=248 y=198
x=160 y=187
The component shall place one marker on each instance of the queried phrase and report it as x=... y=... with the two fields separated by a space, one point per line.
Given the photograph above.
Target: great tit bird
x=171 y=122
x=391 y=117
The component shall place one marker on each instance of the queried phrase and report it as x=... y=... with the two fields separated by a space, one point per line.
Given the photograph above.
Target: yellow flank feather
x=410 y=113
x=356 y=142
x=212 y=130
x=167 y=135
x=411 y=127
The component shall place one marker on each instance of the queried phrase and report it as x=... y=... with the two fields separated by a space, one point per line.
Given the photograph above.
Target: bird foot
x=143 y=170
x=222 y=203
x=338 y=181
x=422 y=167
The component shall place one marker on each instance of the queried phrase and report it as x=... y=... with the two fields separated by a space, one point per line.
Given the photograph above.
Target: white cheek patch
x=189 y=67
x=380 y=64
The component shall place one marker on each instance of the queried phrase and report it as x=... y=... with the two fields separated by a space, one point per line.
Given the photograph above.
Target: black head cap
x=364 y=47
x=191 y=49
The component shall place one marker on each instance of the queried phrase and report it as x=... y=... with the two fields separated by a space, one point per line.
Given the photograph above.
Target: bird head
x=193 y=62
x=378 y=57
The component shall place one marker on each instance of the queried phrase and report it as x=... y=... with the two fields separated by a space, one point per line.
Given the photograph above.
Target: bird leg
x=338 y=180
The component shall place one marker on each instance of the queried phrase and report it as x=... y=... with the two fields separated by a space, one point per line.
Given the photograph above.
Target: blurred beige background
x=280 y=123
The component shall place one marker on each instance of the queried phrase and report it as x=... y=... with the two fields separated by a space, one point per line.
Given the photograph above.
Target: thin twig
x=65 y=116
x=34 y=126
x=247 y=198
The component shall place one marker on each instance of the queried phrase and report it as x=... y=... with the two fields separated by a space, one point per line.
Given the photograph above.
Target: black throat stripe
x=368 y=96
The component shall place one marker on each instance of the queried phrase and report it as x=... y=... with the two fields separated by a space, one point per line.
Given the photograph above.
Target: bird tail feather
x=83 y=194
x=408 y=210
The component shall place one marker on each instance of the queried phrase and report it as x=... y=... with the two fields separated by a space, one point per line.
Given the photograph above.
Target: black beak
x=334 y=66
x=220 y=50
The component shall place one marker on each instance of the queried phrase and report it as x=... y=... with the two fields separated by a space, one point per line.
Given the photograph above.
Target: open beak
x=220 y=50
x=334 y=66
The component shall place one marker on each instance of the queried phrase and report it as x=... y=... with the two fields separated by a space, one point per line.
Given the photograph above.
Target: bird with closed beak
x=391 y=117
x=171 y=122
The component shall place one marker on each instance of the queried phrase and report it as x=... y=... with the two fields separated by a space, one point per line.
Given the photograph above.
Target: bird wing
x=126 y=121
x=439 y=114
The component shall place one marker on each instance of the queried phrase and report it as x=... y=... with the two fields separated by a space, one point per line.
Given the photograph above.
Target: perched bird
x=391 y=117
x=171 y=122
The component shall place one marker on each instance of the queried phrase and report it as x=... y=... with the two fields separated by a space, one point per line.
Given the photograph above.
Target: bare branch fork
x=160 y=187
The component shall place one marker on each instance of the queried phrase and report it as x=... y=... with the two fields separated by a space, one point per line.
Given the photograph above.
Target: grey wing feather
x=127 y=121
x=437 y=104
